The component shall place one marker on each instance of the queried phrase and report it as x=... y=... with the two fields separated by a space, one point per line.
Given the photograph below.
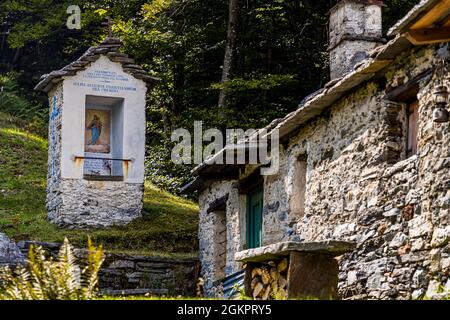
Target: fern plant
x=10 y=100
x=48 y=279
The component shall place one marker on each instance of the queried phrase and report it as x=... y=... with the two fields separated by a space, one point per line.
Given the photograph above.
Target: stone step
x=25 y=245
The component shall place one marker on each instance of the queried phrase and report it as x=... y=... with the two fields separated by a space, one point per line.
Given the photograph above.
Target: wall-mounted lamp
x=440 y=97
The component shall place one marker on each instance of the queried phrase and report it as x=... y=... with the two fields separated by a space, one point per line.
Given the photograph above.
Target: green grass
x=168 y=226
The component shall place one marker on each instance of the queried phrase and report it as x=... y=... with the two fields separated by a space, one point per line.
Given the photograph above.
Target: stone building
x=96 y=139
x=364 y=163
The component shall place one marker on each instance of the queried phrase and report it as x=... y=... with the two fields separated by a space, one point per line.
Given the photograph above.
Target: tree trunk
x=178 y=82
x=16 y=58
x=229 y=52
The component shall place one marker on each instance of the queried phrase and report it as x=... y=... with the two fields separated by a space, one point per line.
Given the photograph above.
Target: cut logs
x=269 y=280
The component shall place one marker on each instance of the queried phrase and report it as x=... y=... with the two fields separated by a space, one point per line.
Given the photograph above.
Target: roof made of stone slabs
x=411 y=16
x=378 y=59
x=109 y=48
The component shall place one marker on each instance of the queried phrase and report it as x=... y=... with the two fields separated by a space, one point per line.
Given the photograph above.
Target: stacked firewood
x=269 y=280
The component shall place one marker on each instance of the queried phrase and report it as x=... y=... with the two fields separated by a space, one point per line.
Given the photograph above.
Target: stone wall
x=97 y=204
x=139 y=274
x=54 y=200
x=124 y=274
x=361 y=187
x=207 y=247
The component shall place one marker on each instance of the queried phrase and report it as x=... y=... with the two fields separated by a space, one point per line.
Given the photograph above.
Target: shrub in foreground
x=44 y=278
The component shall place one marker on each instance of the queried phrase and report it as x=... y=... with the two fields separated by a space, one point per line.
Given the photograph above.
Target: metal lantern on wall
x=440 y=113
x=440 y=97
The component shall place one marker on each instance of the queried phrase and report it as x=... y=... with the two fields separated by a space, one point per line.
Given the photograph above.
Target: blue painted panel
x=230 y=283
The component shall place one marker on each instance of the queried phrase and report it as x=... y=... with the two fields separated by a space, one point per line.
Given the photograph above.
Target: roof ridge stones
x=109 y=48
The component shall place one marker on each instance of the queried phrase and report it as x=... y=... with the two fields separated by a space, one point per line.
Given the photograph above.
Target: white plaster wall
x=73 y=122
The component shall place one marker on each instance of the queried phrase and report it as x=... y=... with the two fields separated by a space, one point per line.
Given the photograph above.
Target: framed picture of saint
x=98 y=131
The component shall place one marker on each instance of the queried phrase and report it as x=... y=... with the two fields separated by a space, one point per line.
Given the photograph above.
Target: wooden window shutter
x=413 y=115
x=254 y=218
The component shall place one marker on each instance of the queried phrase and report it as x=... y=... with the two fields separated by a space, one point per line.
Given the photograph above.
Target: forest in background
x=230 y=64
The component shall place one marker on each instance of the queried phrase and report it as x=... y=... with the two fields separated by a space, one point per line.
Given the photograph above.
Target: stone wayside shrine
x=96 y=139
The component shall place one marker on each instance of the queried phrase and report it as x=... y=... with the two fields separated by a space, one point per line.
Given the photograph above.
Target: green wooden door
x=254 y=218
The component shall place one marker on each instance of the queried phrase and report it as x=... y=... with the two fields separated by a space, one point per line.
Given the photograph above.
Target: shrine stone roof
x=109 y=48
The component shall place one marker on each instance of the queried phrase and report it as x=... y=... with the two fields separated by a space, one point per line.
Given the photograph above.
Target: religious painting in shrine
x=98 y=131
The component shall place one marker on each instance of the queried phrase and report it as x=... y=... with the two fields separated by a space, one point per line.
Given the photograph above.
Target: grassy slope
x=169 y=225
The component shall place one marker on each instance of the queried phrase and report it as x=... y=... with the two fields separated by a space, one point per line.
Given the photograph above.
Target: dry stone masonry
x=103 y=203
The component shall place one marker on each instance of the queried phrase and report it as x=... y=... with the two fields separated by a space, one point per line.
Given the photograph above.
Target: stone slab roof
x=109 y=48
x=282 y=249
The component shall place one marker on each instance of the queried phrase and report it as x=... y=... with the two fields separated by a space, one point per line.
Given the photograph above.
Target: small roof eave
x=193 y=185
x=230 y=152
x=109 y=48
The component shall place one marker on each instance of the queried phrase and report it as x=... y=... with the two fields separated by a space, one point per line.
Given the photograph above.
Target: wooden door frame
x=250 y=232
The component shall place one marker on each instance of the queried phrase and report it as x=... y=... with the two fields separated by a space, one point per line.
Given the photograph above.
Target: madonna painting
x=97 y=133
